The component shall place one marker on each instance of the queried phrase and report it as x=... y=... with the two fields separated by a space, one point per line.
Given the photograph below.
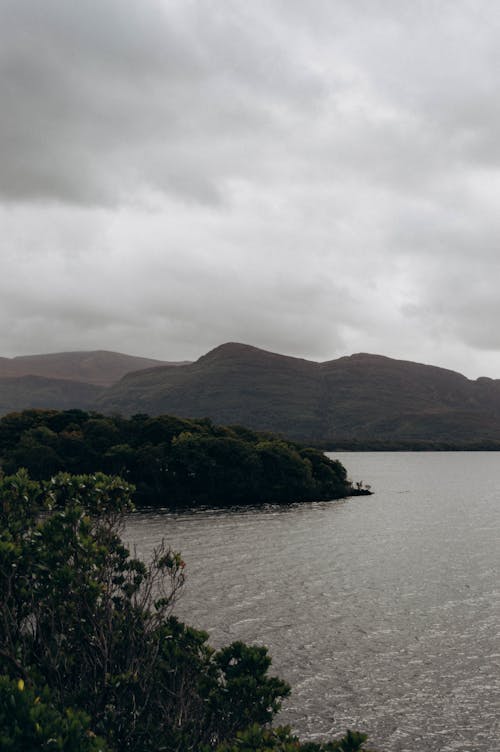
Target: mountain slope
x=23 y=392
x=95 y=367
x=362 y=397
x=358 y=397
x=231 y=384
x=63 y=380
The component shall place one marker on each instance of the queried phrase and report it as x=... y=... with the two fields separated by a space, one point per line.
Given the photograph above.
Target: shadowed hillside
x=63 y=380
x=96 y=367
x=361 y=397
x=231 y=384
x=25 y=392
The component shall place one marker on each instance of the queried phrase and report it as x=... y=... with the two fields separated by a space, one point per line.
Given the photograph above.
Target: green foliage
x=78 y=613
x=170 y=461
x=258 y=739
x=94 y=628
x=30 y=722
x=255 y=698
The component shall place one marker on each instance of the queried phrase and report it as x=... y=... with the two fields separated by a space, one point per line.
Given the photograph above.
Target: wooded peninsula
x=170 y=461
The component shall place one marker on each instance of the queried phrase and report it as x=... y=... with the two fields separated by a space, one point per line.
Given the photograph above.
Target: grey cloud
x=314 y=178
x=99 y=101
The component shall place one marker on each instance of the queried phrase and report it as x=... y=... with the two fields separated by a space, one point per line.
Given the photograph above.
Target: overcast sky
x=315 y=178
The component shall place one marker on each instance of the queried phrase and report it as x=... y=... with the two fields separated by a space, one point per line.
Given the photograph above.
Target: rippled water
x=382 y=612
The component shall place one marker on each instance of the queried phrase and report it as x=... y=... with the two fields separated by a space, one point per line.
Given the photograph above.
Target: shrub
x=90 y=648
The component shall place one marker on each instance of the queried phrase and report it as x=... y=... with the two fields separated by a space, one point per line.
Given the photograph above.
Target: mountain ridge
x=363 y=395
x=360 y=397
x=101 y=367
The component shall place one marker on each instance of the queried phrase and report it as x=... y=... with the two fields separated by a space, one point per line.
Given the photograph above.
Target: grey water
x=382 y=612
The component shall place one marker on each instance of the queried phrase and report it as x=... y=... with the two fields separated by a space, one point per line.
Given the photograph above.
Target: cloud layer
x=314 y=178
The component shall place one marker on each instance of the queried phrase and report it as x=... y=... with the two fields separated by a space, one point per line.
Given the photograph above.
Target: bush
x=258 y=739
x=29 y=723
x=90 y=648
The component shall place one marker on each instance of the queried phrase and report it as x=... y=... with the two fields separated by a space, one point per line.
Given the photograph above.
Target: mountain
x=95 y=367
x=23 y=392
x=362 y=397
x=63 y=380
x=231 y=384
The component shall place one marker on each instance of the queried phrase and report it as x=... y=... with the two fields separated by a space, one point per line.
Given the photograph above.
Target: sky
x=314 y=178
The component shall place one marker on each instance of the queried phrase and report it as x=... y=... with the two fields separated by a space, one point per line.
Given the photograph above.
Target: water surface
x=382 y=612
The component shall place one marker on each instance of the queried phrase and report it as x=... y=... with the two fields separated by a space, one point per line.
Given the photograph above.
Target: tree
x=171 y=461
x=259 y=739
x=286 y=475
x=94 y=625
x=29 y=722
x=90 y=649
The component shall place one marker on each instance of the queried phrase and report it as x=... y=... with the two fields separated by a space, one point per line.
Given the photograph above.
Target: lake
x=382 y=612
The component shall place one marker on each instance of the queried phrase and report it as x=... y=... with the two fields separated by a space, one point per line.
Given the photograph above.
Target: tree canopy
x=171 y=461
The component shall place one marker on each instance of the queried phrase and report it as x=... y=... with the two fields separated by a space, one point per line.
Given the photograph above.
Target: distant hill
x=360 y=397
x=63 y=380
x=360 y=400
x=95 y=367
x=231 y=384
x=24 y=392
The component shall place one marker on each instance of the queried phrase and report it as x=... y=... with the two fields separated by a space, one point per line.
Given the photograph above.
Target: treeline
x=171 y=461
x=400 y=445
